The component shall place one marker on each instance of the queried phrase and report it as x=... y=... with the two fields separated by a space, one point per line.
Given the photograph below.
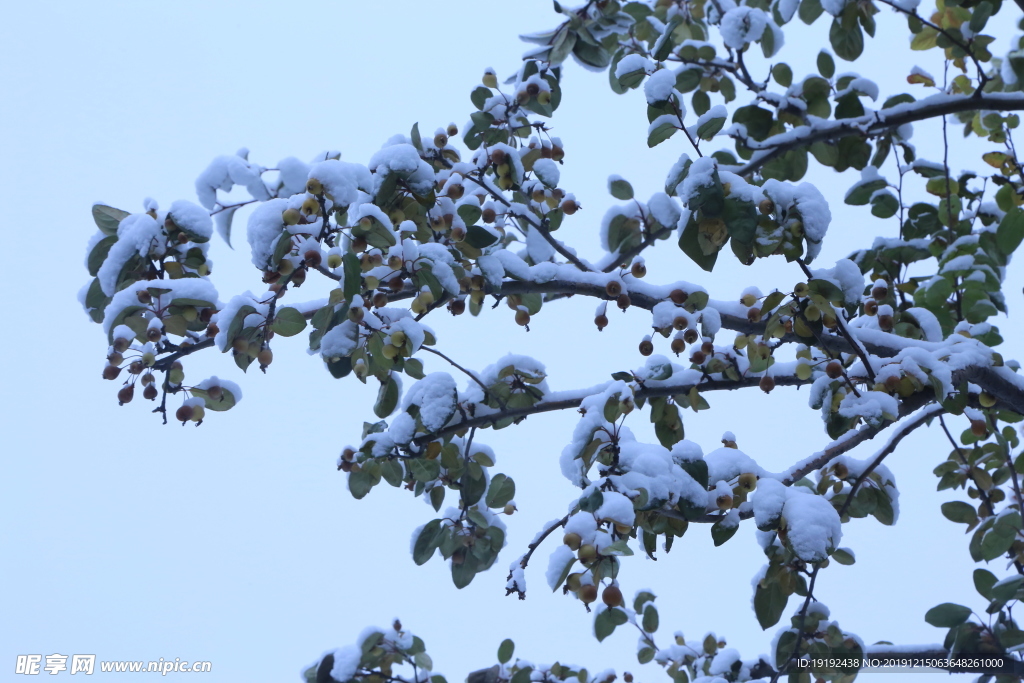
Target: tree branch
x=908 y=427
x=874 y=124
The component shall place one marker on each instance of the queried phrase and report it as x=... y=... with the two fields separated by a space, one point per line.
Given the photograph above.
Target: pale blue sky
x=238 y=542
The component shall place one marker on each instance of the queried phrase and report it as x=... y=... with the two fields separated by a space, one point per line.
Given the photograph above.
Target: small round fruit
x=986 y=399
x=601 y=321
x=646 y=347
x=766 y=206
x=569 y=207
x=879 y=292
x=892 y=383
x=150 y=392
x=572 y=582
x=885 y=322
x=638 y=269
x=183 y=414
x=488 y=215
x=310 y=207
x=215 y=392
x=389 y=351
x=457 y=306
x=135 y=367
x=111 y=372
x=708 y=348
x=613 y=289
x=691 y=336
x=623 y=301
x=627 y=677
x=314 y=186
x=522 y=318
x=154 y=334
x=313 y=258
x=509 y=509
x=121 y=344
x=841 y=471
x=572 y=540
x=754 y=315
x=587 y=552
x=588 y=593
x=978 y=428
x=870 y=307
x=334 y=260
x=291 y=216
x=612 y=596
x=698 y=357
x=748 y=300
x=678 y=296
x=834 y=370
x=748 y=481
x=440 y=140
x=148 y=359
x=678 y=346
x=240 y=345
x=265 y=357
x=766 y=384
x=198 y=413
x=490 y=80
x=803 y=372
x=498 y=157
x=724 y=502
x=126 y=394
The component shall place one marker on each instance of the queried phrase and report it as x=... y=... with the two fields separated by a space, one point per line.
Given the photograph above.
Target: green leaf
x=769 y=603
x=708 y=129
x=288 y=322
x=422 y=469
x=843 y=556
x=359 y=484
x=960 y=512
x=691 y=247
x=107 y=218
x=392 y=472
x=1006 y=589
x=861 y=193
x=606 y=621
x=353 y=275
x=848 y=42
x=884 y=205
x=414 y=134
x=650 y=619
x=99 y=254
x=947 y=615
x=621 y=189
x=826 y=65
x=480 y=237
x=721 y=533
x=479 y=96
x=427 y=542
x=505 y=650
x=500 y=491
x=782 y=74
x=983 y=582
x=387 y=398
x=225 y=402
x=809 y=11
x=414 y=368
x=660 y=134
x=1010 y=231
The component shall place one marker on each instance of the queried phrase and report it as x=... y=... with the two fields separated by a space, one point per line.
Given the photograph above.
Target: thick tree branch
x=875 y=124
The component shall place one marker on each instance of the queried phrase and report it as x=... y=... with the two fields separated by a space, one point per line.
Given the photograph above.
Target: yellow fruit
x=311 y=207
x=986 y=399
x=572 y=540
x=587 y=552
